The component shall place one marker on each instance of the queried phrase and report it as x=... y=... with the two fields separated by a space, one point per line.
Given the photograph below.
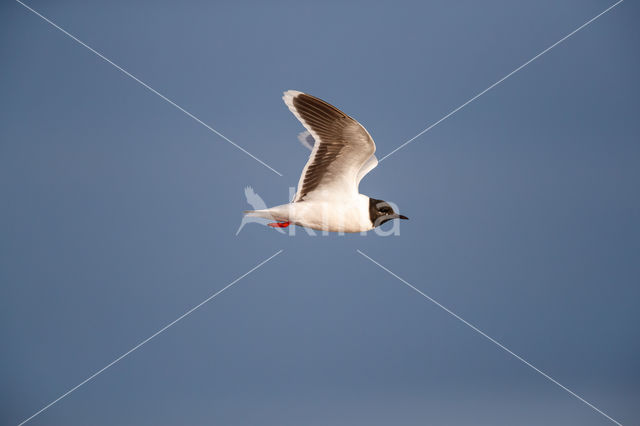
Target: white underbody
x=339 y=214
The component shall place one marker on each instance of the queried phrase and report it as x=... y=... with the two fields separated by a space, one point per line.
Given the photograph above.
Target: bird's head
x=380 y=212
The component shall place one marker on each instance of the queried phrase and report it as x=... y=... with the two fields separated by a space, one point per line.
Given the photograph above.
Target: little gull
x=342 y=152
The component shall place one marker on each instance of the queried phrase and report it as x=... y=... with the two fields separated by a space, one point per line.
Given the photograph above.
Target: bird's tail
x=266 y=214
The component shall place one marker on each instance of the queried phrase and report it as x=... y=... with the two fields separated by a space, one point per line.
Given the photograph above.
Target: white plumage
x=342 y=153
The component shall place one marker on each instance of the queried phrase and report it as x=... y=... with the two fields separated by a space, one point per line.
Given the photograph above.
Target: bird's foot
x=279 y=224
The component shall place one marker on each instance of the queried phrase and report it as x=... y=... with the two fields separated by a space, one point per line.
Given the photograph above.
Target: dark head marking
x=381 y=212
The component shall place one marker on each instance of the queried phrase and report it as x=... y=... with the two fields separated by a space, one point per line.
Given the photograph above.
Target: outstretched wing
x=307 y=141
x=342 y=147
x=369 y=165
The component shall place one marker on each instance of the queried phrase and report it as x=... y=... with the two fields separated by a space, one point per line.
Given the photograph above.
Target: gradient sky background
x=119 y=213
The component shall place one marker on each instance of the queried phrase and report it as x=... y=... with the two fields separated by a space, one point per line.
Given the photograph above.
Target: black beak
x=399 y=216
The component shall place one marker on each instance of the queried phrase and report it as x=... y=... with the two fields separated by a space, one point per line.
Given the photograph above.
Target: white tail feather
x=266 y=214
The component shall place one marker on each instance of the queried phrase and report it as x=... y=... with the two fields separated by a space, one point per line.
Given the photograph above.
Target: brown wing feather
x=343 y=145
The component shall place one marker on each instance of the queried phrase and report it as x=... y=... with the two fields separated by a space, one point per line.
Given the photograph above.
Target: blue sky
x=119 y=213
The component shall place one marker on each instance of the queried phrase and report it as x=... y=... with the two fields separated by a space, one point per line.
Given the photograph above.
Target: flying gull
x=342 y=152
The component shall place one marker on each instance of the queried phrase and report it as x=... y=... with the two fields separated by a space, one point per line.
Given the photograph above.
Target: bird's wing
x=369 y=165
x=342 y=147
x=306 y=140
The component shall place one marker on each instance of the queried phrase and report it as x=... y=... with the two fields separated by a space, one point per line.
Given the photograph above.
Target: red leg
x=280 y=224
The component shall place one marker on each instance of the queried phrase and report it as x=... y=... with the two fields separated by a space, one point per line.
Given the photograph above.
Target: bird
x=256 y=202
x=342 y=153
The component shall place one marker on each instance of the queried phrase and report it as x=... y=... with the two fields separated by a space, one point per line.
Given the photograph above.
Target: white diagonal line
x=67 y=393
x=145 y=85
x=492 y=340
x=501 y=80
